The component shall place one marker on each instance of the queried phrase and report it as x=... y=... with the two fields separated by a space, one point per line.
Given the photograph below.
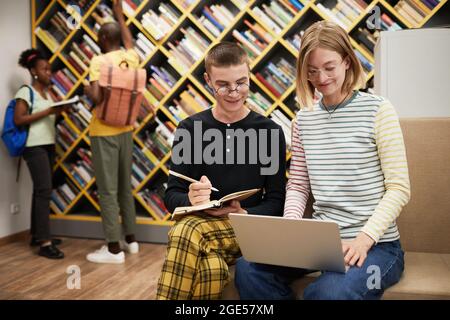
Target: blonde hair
x=330 y=36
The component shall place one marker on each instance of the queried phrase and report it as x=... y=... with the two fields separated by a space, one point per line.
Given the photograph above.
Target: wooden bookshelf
x=278 y=42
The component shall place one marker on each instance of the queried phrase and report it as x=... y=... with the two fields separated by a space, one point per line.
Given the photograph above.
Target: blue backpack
x=14 y=137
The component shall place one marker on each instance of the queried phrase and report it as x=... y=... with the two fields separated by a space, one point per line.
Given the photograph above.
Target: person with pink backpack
x=116 y=86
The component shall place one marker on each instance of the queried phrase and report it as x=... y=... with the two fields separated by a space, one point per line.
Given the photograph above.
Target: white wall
x=412 y=70
x=15 y=32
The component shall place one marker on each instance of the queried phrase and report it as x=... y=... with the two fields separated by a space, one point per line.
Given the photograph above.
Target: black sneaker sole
x=51 y=257
x=55 y=242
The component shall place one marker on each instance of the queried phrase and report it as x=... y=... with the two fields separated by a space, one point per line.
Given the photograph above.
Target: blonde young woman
x=348 y=150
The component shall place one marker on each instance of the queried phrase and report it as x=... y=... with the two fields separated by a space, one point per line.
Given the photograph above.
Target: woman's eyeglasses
x=330 y=72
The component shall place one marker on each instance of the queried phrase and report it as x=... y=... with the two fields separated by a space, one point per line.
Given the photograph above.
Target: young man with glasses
x=203 y=245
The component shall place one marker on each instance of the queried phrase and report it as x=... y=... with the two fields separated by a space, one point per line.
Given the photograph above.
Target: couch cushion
x=426 y=276
x=424 y=222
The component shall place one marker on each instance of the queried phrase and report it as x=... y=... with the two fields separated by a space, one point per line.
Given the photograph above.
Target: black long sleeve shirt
x=226 y=173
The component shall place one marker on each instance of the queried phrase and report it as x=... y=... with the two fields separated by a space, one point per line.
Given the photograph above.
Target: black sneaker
x=35 y=243
x=51 y=252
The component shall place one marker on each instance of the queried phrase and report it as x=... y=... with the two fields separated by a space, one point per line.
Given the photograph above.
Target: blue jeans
x=382 y=268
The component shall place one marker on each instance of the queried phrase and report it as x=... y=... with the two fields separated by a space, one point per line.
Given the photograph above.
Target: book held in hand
x=74 y=100
x=179 y=212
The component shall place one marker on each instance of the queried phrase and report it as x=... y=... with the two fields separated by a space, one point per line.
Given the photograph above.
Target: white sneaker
x=129 y=247
x=104 y=256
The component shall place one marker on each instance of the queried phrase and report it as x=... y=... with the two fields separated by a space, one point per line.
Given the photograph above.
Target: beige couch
x=424 y=223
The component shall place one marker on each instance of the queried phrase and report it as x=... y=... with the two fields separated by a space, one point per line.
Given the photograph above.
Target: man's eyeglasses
x=227 y=90
x=330 y=72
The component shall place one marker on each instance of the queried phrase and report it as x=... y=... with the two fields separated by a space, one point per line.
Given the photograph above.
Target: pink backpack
x=123 y=90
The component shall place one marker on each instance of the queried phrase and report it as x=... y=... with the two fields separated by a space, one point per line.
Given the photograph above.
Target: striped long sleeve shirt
x=354 y=163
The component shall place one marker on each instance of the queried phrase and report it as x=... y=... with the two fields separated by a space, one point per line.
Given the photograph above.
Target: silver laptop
x=308 y=244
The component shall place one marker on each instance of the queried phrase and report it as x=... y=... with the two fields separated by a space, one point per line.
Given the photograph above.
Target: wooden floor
x=25 y=275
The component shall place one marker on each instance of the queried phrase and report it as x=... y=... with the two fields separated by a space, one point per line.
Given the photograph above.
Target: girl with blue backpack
x=33 y=110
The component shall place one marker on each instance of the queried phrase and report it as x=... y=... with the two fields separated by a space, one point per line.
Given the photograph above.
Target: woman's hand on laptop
x=199 y=192
x=233 y=207
x=355 y=251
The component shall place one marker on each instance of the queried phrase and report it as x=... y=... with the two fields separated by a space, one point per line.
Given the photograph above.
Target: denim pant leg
x=262 y=281
x=382 y=268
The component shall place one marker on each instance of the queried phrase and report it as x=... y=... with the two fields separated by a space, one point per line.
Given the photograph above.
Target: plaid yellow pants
x=199 y=251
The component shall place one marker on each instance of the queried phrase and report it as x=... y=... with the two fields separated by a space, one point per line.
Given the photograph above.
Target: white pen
x=179 y=175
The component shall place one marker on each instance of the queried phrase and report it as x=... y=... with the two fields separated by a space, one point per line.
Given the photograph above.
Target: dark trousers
x=40 y=161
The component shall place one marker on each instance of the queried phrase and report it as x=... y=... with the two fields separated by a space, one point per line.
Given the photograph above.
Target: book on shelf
x=266 y=20
x=86 y=156
x=185 y=3
x=190 y=101
x=188 y=50
x=130 y=6
x=277 y=77
x=241 y=4
x=296 y=40
x=154 y=200
x=179 y=212
x=413 y=11
x=250 y=46
x=279 y=118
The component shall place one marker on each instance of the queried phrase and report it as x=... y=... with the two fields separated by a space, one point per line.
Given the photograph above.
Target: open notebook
x=74 y=100
x=239 y=196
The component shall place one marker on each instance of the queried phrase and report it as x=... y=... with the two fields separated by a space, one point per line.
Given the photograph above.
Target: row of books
x=155 y=202
x=157 y=144
x=295 y=40
x=166 y=129
x=130 y=6
x=277 y=76
x=254 y=40
x=62 y=83
x=65 y=136
x=241 y=4
x=215 y=18
x=185 y=3
x=365 y=63
x=56 y=31
x=140 y=167
x=258 y=103
x=160 y=25
x=388 y=24
x=81 y=54
x=160 y=82
x=188 y=50
x=345 y=12
x=159 y=141
x=278 y=14
x=143 y=46
x=82 y=171
x=145 y=109
x=414 y=11
x=368 y=39
x=63 y=196
x=189 y=102
x=283 y=121
x=81 y=115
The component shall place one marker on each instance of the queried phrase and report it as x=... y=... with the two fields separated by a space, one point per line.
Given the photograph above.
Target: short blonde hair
x=330 y=36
